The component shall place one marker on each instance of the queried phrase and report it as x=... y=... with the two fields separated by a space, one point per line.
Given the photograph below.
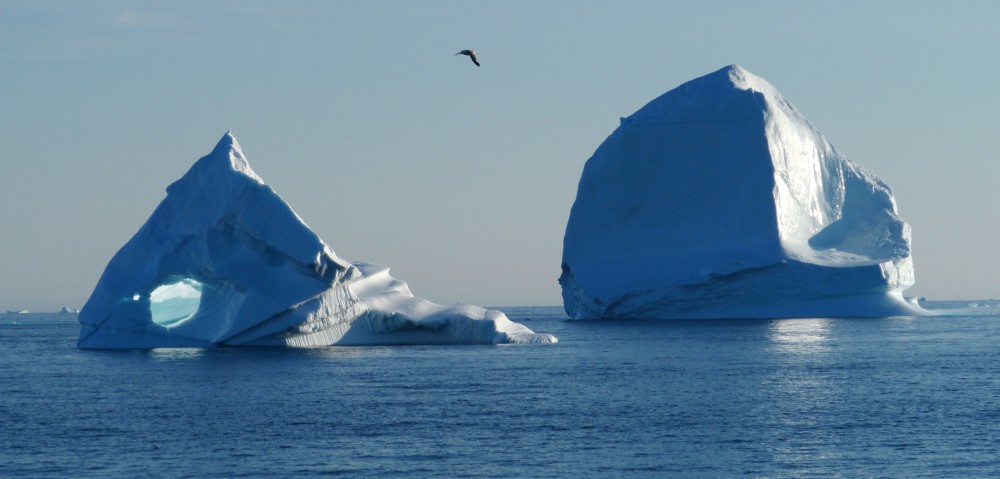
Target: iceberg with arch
x=720 y=200
x=224 y=261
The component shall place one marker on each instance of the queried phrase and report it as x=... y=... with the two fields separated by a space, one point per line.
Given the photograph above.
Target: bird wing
x=473 y=57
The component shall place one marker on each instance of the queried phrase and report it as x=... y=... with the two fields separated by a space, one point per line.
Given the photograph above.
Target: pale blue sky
x=461 y=178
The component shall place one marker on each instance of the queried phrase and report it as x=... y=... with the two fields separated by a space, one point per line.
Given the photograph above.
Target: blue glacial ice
x=719 y=199
x=224 y=261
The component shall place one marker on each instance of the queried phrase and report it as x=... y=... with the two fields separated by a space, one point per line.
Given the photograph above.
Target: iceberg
x=720 y=200
x=224 y=261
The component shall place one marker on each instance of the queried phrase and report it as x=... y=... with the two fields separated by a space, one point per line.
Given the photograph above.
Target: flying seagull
x=471 y=55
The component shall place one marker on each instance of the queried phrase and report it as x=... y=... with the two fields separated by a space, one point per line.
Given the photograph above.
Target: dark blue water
x=750 y=398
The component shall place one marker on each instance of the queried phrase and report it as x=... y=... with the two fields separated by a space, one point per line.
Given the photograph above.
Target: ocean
x=790 y=398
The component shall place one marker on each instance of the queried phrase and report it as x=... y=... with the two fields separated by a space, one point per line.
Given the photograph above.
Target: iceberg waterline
x=223 y=260
x=719 y=199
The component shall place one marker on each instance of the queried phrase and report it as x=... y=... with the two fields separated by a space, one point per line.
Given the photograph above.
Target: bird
x=471 y=55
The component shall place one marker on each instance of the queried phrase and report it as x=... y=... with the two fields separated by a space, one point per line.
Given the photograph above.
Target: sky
x=461 y=178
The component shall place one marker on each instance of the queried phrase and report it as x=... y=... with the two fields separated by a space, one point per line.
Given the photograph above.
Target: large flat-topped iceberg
x=225 y=261
x=719 y=199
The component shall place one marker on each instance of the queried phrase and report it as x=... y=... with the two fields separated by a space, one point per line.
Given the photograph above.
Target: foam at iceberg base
x=718 y=200
x=224 y=261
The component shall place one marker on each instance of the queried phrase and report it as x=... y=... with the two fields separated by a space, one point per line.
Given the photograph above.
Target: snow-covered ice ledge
x=224 y=261
x=718 y=200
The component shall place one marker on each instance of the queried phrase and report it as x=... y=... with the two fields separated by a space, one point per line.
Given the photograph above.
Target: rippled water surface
x=917 y=397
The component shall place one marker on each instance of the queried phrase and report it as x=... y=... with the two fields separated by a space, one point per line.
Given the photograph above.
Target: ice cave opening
x=173 y=303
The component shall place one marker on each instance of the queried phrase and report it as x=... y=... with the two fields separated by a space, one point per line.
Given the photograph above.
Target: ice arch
x=223 y=260
x=173 y=303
